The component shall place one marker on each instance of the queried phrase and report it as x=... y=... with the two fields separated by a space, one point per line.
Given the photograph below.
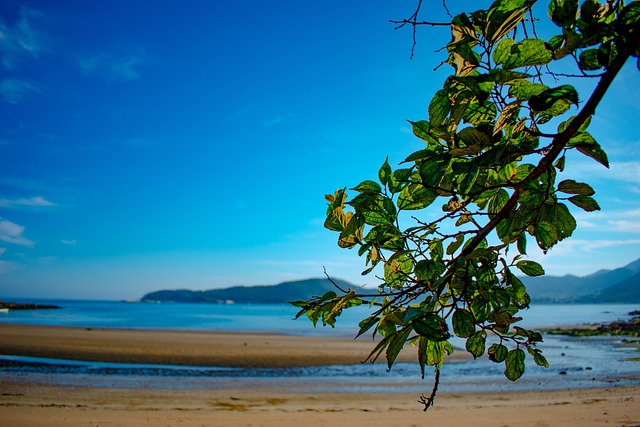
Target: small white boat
x=4 y=310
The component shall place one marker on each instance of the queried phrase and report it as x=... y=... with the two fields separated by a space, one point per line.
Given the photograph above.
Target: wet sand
x=33 y=405
x=193 y=348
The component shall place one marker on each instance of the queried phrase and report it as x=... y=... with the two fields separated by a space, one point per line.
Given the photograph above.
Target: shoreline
x=32 y=401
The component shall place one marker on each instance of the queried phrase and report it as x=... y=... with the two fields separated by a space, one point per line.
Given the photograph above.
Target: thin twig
x=428 y=401
x=413 y=21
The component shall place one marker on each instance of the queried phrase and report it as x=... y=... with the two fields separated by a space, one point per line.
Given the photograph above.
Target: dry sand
x=23 y=404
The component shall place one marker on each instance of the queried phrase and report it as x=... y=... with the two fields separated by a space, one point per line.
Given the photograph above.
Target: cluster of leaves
x=490 y=167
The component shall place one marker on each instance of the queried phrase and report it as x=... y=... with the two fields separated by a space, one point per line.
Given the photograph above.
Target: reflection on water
x=575 y=362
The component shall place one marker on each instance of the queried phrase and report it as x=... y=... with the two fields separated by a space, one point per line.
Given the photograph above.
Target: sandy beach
x=27 y=404
x=194 y=348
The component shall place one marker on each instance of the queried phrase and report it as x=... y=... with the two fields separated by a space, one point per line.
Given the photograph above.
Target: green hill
x=620 y=285
x=274 y=294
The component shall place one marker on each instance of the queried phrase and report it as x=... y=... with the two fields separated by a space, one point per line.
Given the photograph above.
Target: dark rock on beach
x=18 y=306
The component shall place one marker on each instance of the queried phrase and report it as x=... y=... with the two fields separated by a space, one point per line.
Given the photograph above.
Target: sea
x=575 y=362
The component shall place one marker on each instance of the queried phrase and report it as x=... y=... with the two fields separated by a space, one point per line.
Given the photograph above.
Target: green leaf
x=530 y=268
x=514 y=364
x=439 y=107
x=562 y=220
x=352 y=233
x=585 y=202
x=368 y=187
x=437 y=249
x=563 y=12
x=570 y=186
x=385 y=172
x=378 y=348
x=476 y=344
x=508 y=113
x=526 y=53
x=367 y=324
x=453 y=246
x=375 y=208
x=396 y=344
x=412 y=313
x=386 y=237
x=546 y=234
x=538 y=357
x=522 y=90
x=432 y=353
x=426 y=153
x=497 y=353
x=415 y=196
x=546 y=100
x=427 y=269
x=501 y=76
x=397 y=269
x=587 y=145
x=522 y=244
x=478 y=113
x=511 y=227
x=517 y=289
x=497 y=202
x=423 y=130
x=503 y=17
x=473 y=137
x=467 y=178
x=630 y=16
x=502 y=51
x=432 y=327
x=463 y=323
x=399 y=179
x=432 y=171
x=590 y=10
x=589 y=60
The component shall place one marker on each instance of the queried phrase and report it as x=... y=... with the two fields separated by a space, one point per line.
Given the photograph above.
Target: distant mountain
x=627 y=290
x=616 y=285
x=621 y=285
x=274 y=294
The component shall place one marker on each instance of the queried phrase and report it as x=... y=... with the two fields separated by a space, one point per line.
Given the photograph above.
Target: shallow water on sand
x=575 y=362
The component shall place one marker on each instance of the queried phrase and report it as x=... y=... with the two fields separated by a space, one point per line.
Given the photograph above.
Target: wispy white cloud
x=244 y=112
x=591 y=254
x=611 y=221
x=68 y=242
x=12 y=233
x=14 y=91
x=626 y=171
x=114 y=67
x=21 y=41
x=277 y=119
x=36 y=201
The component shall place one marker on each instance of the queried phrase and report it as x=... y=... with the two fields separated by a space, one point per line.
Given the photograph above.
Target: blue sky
x=189 y=145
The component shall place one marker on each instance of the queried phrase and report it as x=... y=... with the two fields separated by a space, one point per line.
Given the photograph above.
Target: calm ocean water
x=262 y=317
x=575 y=362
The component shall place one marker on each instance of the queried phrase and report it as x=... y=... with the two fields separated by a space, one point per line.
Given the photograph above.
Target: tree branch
x=413 y=21
x=559 y=143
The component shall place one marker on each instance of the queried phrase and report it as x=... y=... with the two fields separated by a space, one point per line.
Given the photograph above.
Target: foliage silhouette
x=448 y=230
